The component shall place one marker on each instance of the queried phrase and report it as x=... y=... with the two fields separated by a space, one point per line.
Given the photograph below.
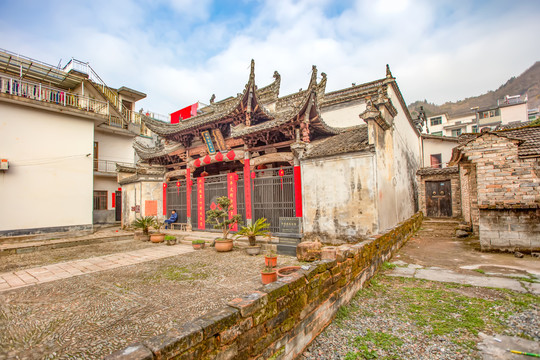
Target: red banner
x=165 y=199
x=200 y=203
x=231 y=191
x=184 y=113
x=113 y=198
x=298 y=191
x=188 y=192
x=247 y=188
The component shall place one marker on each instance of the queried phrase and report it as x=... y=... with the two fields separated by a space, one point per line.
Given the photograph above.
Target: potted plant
x=159 y=236
x=198 y=244
x=287 y=271
x=143 y=223
x=268 y=275
x=170 y=240
x=220 y=218
x=258 y=228
x=270 y=259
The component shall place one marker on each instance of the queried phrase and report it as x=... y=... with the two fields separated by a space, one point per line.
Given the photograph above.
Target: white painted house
x=62 y=131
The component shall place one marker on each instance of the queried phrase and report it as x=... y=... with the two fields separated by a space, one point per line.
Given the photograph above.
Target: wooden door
x=438 y=199
x=118 y=204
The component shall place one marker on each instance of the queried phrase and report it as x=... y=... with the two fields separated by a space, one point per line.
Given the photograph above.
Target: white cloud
x=437 y=50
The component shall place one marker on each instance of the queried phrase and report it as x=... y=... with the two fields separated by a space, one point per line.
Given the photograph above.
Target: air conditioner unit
x=4 y=164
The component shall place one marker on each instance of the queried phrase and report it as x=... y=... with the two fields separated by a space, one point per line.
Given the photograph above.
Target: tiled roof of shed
x=438 y=171
x=355 y=139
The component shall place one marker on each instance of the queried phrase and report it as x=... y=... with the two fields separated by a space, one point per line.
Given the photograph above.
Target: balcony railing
x=109 y=166
x=40 y=92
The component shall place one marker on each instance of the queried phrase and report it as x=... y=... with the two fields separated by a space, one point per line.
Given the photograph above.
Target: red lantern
x=197 y=162
x=253 y=175
x=219 y=156
x=178 y=188
x=207 y=159
x=203 y=174
x=281 y=172
x=231 y=155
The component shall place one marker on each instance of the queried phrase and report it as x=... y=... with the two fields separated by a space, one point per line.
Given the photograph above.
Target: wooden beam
x=277 y=145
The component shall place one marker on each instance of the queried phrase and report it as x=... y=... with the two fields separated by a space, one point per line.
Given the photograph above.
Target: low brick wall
x=281 y=319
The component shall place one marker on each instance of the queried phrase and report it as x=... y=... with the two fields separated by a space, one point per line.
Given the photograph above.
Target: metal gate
x=273 y=195
x=176 y=200
x=438 y=198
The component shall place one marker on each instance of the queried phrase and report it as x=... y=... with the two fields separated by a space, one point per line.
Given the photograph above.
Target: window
x=438 y=133
x=456 y=132
x=436 y=160
x=436 y=120
x=100 y=200
x=474 y=129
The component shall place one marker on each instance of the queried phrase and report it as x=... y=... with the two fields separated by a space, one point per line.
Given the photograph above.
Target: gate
x=176 y=200
x=438 y=198
x=118 y=206
x=273 y=195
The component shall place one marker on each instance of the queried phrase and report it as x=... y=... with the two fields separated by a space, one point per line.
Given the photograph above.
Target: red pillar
x=164 y=198
x=188 y=194
x=298 y=190
x=247 y=188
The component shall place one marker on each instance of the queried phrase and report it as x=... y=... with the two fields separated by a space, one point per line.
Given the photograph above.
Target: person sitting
x=172 y=219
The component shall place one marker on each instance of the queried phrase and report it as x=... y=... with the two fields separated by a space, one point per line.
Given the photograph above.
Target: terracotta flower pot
x=157 y=238
x=224 y=245
x=270 y=261
x=287 y=271
x=268 y=277
x=253 y=250
x=199 y=246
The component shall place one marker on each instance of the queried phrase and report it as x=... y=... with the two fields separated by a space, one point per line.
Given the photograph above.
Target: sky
x=179 y=52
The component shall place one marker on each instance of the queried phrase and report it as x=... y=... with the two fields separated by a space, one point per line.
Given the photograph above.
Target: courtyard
x=89 y=316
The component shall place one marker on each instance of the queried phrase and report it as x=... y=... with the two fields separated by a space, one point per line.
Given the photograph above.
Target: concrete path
x=43 y=274
x=444 y=275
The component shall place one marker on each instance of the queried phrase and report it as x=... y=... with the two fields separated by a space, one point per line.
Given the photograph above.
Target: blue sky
x=182 y=51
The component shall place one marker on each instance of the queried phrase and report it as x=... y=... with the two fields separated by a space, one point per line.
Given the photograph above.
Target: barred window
x=100 y=200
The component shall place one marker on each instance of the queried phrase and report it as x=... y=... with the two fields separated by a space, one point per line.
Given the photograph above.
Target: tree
x=220 y=216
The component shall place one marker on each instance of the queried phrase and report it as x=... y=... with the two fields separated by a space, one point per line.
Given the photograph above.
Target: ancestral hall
x=336 y=165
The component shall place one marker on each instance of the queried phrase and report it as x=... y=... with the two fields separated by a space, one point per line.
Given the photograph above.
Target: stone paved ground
x=89 y=316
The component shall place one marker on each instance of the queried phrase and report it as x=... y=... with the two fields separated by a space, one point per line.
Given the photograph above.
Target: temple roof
x=149 y=152
x=350 y=140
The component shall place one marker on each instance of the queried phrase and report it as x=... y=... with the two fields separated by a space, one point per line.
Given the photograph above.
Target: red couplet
x=231 y=191
x=113 y=198
x=298 y=190
x=247 y=188
x=164 y=199
x=200 y=203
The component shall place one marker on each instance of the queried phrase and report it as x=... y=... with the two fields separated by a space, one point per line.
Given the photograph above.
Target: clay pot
x=268 y=277
x=198 y=246
x=253 y=250
x=270 y=261
x=224 y=245
x=157 y=238
x=287 y=271
x=140 y=236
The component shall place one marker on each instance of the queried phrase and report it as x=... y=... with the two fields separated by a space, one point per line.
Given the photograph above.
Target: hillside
x=528 y=82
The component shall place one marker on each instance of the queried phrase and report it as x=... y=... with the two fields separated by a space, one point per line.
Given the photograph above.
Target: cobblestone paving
x=90 y=316
x=16 y=262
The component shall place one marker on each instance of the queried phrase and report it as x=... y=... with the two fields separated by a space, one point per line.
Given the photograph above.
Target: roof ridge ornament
x=388 y=72
x=313 y=80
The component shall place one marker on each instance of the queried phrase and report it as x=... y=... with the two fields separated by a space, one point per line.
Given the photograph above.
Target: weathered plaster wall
x=115 y=147
x=344 y=115
x=280 y=319
x=397 y=159
x=514 y=113
x=138 y=193
x=50 y=179
x=435 y=146
x=339 y=196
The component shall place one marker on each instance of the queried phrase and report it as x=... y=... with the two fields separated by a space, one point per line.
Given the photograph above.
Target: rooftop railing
x=109 y=166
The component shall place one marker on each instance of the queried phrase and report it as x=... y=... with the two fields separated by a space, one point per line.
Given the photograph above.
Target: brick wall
x=281 y=319
x=503 y=192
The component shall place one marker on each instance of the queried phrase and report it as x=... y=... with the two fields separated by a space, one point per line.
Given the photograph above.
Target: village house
x=500 y=187
x=62 y=132
x=336 y=165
